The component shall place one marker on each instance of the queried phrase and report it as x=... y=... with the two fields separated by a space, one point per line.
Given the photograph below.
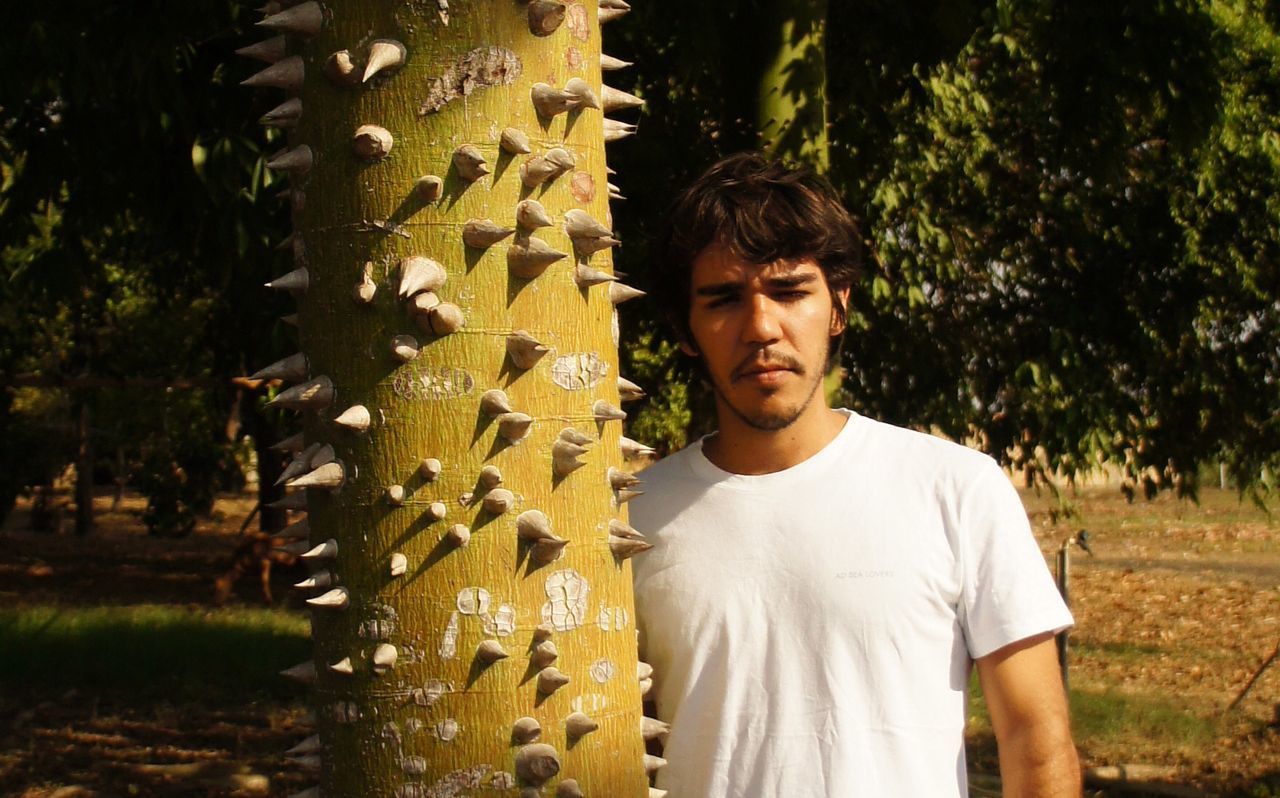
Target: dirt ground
x=1178 y=601
x=77 y=743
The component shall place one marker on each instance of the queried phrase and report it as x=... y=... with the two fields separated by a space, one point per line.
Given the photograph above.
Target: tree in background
x=1041 y=215
x=1076 y=241
x=1067 y=203
x=462 y=453
x=135 y=230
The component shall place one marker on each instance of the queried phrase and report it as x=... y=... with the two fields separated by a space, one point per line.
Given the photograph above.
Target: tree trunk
x=84 y=467
x=791 y=111
x=272 y=519
x=447 y=614
x=119 y=479
x=264 y=428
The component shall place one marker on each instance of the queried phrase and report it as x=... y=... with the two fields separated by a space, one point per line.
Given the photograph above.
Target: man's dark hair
x=762 y=211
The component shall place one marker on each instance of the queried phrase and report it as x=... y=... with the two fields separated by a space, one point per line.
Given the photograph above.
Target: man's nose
x=761 y=324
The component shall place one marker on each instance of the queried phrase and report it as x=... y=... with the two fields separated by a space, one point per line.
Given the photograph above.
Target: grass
x=1110 y=717
x=1103 y=510
x=1113 y=652
x=144 y=648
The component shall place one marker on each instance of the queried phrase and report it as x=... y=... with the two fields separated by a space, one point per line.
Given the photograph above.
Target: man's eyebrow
x=719 y=289
x=729 y=287
x=793 y=280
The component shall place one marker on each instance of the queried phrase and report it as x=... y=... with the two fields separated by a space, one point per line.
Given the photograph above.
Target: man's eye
x=793 y=296
x=722 y=301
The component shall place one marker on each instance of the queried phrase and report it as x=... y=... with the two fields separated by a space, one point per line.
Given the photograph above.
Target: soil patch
x=1180 y=603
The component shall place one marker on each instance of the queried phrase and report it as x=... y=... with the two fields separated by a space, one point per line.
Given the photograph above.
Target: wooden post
x=1062 y=574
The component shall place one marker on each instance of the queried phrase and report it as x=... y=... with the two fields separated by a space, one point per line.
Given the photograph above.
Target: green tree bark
x=470 y=546
x=791 y=110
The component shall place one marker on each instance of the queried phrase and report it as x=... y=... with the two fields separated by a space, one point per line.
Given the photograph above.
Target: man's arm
x=1028 y=708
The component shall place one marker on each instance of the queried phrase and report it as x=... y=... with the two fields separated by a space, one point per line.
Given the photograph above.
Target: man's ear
x=837 y=325
x=688 y=348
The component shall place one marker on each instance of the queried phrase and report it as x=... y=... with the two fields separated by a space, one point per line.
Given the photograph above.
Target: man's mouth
x=752 y=369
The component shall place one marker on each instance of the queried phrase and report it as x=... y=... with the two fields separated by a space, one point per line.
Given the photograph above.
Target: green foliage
x=1073 y=209
x=664 y=420
x=35 y=447
x=135 y=221
x=183 y=466
x=1038 y=214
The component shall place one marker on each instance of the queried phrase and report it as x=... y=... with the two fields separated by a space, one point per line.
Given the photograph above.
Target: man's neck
x=739 y=448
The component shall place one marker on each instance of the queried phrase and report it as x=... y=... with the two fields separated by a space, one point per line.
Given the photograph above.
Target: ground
x=1176 y=610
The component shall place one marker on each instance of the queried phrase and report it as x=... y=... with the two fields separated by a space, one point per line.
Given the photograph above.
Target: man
x=821 y=584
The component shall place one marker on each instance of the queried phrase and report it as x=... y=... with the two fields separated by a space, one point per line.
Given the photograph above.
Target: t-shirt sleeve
x=1008 y=594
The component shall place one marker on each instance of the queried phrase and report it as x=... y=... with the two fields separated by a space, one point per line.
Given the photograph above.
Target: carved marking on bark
x=430 y=693
x=451 y=786
x=579 y=371
x=381 y=623
x=590 y=703
x=602 y=670
x=502 y=780
x=502 y=623
x=473 y=601
x=567 y=608
x=433 y=384
x=482 y=67
x=390 y=731
x=615 y=615
x=447 y=729
x=449 y=640
x=576 y=21
x=583 y=187
x=414 y=765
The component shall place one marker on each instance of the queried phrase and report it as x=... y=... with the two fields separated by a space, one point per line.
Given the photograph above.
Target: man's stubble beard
x=766 y=421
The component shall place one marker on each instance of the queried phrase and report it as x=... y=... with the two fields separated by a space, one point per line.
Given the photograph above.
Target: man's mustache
x=766 y=360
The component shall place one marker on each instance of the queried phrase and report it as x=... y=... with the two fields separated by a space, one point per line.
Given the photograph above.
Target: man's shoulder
x=672 y=467
x=666 y=486
x=916 y=447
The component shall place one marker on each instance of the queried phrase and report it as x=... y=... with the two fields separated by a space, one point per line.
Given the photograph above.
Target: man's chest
x=825 y=571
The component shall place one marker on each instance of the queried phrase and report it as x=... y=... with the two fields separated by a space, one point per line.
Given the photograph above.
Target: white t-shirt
x=811 y=630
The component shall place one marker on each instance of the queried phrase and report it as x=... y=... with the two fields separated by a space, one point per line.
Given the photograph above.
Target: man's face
x=763 y=332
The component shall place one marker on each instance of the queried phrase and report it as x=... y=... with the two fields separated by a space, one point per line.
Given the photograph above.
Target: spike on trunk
x=617 y=100
x=286 y=114
x=609 y=64
x=268 y=50
x=545 y=17
x=287 y=74
x=385 y=55
x=297 y=161
x=290 y=369
x=304 y=19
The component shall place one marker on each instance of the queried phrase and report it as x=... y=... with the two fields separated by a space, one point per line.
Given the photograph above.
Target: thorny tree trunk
x=473 y=625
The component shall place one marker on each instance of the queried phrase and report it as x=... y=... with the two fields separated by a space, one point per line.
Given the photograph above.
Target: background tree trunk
x=791 y=110
x=84 y=465
x=405 y=703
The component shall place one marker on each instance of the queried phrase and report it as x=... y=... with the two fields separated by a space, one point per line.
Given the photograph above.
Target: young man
x=821 y=584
